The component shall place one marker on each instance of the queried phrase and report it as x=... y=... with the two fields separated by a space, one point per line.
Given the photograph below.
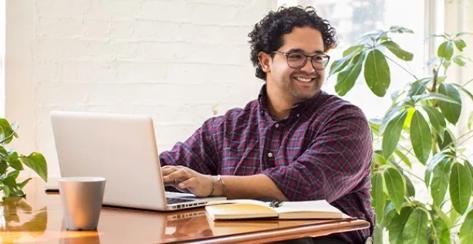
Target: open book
x=249 y=209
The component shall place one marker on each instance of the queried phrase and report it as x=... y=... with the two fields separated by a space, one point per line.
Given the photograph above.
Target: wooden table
x=39 y=219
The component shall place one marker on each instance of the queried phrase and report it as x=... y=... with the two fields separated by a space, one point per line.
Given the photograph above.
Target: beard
x=301 y=88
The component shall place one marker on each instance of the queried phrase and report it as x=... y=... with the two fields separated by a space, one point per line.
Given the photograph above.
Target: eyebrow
x=298 y=50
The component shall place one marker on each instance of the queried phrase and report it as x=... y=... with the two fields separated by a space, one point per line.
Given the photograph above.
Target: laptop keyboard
x=172 y=200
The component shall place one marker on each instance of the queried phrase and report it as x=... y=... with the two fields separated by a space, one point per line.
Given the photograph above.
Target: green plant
x=12 y=163
x=416 y=131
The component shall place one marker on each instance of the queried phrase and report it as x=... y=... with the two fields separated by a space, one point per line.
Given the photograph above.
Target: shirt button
x=270 y=155
x=276 y=125
x=298 y=115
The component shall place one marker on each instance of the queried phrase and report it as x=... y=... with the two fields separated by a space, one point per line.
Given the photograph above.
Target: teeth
x=303 y=79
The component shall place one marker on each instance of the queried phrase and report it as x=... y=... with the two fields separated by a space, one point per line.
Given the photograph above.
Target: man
x=295 y=142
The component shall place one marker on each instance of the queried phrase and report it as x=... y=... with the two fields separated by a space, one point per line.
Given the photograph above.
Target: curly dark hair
x=267 y=35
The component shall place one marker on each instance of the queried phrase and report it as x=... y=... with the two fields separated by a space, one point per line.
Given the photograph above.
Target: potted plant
x=12 y=163
x=417 y=130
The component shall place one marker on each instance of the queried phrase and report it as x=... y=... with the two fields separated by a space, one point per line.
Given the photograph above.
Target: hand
x=184 y=178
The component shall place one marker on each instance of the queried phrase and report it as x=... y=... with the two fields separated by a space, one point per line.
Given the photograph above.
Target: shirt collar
x=297 y=108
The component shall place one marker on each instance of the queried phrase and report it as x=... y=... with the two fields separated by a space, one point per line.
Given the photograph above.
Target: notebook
x=255 y=209
x=121 y=148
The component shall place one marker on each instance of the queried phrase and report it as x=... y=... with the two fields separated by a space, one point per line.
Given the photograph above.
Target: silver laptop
x=121 y=148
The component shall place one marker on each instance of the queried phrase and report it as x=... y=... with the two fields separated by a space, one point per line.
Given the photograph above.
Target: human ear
x=264 y=61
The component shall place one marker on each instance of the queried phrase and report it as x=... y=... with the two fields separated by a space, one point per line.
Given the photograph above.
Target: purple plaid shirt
x=322 y=150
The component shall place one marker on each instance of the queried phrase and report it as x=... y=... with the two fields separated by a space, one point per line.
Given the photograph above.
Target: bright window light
x=352 y=18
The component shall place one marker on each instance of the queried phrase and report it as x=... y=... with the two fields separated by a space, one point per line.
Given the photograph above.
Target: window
x=352 y=18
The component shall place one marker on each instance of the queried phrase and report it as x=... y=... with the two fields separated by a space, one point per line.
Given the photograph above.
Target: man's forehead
x=307 y=39
x=300 y=50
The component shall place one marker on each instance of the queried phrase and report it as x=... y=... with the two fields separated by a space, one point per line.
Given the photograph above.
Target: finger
x=189 y=184
x=168 y=180
x=176 y=177
x=168 y=169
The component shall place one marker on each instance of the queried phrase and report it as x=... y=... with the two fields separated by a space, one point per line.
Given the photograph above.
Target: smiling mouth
x=304 y=79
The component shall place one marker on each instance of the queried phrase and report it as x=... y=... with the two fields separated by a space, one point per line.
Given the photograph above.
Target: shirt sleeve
x=335 y=162
x=197 y=152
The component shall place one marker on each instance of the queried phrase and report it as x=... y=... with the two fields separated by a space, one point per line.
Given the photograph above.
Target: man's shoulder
x=237 y=113
x=250 y=108
x=332 y=104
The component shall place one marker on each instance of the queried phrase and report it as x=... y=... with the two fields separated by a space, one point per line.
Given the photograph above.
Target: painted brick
x=180 y=61
x=60 y=9
x=176 y=10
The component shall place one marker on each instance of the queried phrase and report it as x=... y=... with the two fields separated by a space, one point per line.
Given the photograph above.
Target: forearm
x=253 y=186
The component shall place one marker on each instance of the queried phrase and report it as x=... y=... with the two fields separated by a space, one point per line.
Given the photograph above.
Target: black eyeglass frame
x=312 y=60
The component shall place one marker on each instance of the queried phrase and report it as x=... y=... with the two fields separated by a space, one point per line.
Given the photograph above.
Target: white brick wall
x=180 y=61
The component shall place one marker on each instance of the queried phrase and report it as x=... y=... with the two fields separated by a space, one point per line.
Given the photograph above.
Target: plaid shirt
x=322 y=150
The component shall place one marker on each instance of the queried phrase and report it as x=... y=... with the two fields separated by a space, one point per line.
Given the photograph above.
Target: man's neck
x=279 y=106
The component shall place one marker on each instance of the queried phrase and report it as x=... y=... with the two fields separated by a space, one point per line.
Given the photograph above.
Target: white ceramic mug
x=82 y=201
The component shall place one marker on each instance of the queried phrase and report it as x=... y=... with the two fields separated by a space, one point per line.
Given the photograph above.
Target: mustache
x=312 y=75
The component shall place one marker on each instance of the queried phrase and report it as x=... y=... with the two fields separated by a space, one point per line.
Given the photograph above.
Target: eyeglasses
x=297 y=60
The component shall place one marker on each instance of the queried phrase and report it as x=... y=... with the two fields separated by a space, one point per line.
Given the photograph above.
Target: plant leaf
x=396 y=187
x=392 y=133
x=394 y=111
x=397 y=225
x=410 y=115
x=3 y=152
x=377 y=193
x=450 y=110
x=463 y=89
x=462 y=33
x=346 y=79
x=459 y=60
x=10 y=180
x=403 y=157
x=400 y=29
x=3 y=169
x=37 y=163
x=374 y=125
x=411 y=190
x=353 y=49
x=6 y=191
x=435 y=97
x=6 y=132
x=14 y=162
x=373 y=35
x=377 y=74
x=442 y=230
x=378 y=158
x=23 y=183
x=466 y=233
x=440 y=35
x=470 y=167
x=415 y=231
x=432 y=163
x=460 y=187
x=440 y=179
x=460 y=44
x=445 y=50
x=340 y=64
x=446 y=140
x=437 y=120
x=389 y=213
x=420 y=137
x=398 y=51
x=418 y=87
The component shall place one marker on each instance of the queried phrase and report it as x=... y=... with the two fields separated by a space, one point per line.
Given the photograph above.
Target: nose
x=308 y=67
